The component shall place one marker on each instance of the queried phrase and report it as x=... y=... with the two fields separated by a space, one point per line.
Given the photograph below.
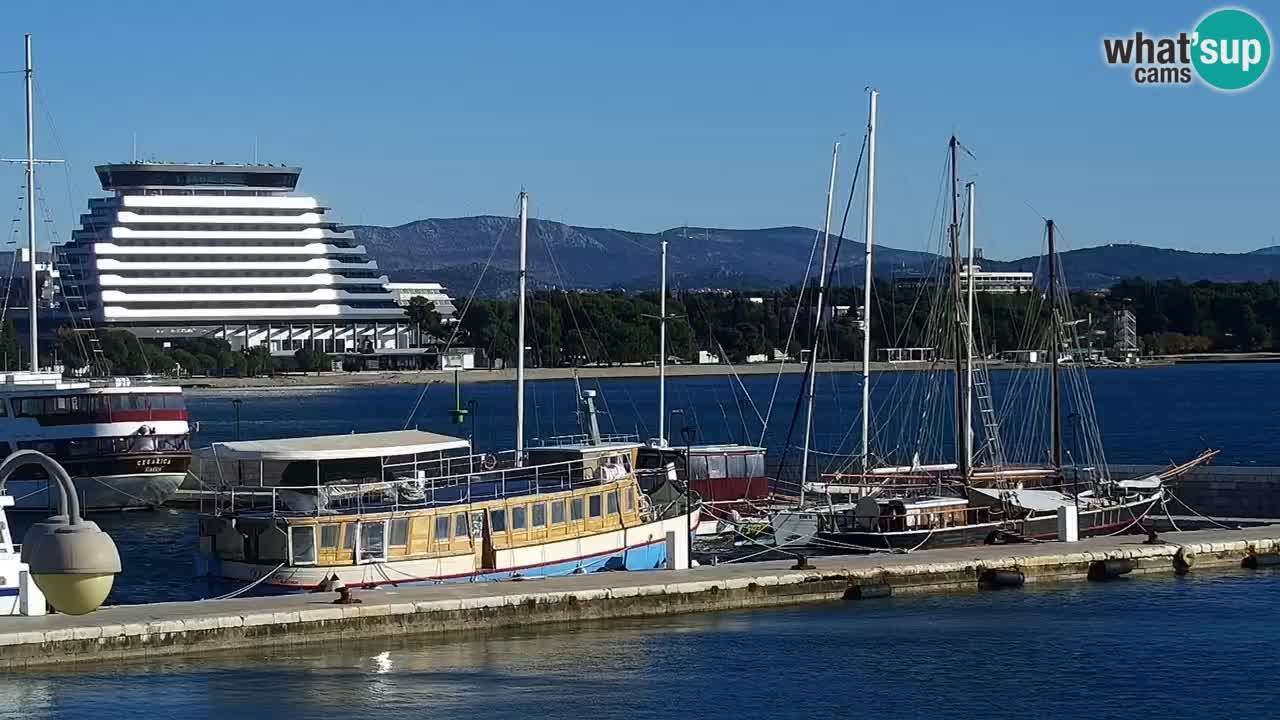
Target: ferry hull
x=1040 y=527
x=133 y=491
x=637 y=548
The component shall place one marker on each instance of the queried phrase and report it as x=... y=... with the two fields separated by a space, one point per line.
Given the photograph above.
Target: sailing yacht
x=990 y=491
x=126 y=445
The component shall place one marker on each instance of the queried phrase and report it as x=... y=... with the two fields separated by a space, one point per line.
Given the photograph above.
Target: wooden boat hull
x=641 y=547
x=1042 y=526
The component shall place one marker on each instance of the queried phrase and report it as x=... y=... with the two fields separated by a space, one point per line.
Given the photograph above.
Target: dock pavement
x=144 y=631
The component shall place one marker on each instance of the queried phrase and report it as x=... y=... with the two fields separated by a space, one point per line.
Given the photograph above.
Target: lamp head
x=75 y=567
x=38 y=531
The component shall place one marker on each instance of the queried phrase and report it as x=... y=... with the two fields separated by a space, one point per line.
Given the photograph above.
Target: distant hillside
x=600 y=258
x=1103 y=266
x=454 y=250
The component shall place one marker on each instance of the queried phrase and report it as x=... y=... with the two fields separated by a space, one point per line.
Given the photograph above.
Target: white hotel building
x=224 y=251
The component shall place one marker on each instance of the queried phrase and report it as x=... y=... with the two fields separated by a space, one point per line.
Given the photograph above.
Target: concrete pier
x=139 y=631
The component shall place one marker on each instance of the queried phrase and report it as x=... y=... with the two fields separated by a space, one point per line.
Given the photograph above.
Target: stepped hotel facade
x=227 y=251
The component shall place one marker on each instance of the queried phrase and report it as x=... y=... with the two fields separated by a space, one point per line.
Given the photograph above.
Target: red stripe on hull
x=731 y=489
x=144 y=415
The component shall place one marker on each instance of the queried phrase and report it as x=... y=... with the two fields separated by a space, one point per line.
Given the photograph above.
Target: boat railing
x=582 y=439
x=410 y=491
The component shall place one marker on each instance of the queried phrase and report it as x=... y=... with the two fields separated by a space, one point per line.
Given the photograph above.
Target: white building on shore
x=225 y=251
x=403 y=292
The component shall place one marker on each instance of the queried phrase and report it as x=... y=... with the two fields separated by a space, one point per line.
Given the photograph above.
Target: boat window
x=348 y=536
x=303 y=541
x=631 y=499
x=755 y=465
x=737 y=466
x=519 y=518
x=557 y=512
x=373 y=537
x=540 y=515
x=577 y=508
x=399 y=532
x=593 y=504
x=329 y=537
x=498 y=520
x=442 y=528
x=461 y=528
x=715 y=466
x=611 y=504
x=698 y=467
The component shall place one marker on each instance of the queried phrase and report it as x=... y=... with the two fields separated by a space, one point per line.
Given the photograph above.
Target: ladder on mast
x=78 y=312
x=987 y=416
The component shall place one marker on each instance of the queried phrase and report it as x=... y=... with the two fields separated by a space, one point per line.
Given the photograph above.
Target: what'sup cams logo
x=1229 y=50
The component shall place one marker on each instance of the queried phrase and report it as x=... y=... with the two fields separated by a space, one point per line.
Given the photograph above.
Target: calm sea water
x=1192 y=647
x=1146 y=416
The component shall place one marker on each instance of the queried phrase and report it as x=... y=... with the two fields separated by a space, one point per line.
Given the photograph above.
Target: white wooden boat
x=293 y=513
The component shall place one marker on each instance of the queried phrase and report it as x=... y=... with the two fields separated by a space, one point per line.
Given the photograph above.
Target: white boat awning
x=1034 y=500
x=1152 y=482
x=339 y=447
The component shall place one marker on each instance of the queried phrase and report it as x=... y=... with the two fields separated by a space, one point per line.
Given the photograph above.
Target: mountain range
x=456 y=251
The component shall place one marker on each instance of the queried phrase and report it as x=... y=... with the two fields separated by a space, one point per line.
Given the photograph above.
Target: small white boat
x=13 y=570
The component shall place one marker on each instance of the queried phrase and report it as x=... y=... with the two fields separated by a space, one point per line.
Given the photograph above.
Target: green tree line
x=580 y=328
x=576 y=328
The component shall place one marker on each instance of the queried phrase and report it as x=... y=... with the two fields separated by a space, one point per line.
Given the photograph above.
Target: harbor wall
x=145 y=631
x=1220 y=491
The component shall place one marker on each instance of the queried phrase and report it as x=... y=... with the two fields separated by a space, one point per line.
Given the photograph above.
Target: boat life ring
x=488 y=461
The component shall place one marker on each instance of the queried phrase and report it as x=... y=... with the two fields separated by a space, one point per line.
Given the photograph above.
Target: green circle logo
x=1232 y=49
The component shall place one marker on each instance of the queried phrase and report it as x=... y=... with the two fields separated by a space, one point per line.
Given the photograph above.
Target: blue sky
x=645 y=116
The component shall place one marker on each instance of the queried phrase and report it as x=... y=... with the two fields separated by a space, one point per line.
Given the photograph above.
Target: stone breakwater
x=141 y=631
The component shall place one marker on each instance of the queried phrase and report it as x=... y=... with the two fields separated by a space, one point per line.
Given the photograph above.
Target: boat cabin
x=405 y=497
x=896 y=514
x=724 y=474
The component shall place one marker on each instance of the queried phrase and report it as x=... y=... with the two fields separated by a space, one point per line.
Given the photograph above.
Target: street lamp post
x=236 y=404
x=688 y=432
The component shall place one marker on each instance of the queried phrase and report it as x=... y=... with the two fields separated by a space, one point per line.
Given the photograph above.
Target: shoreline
x=333 y=380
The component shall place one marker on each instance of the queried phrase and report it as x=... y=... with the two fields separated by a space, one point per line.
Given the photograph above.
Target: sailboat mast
x=1053 y=350
x=971 y=282
x=812 y=380
x=662 y=351
x=524 y=241
x=32 y=323
x=963 y=452
x=868 y=242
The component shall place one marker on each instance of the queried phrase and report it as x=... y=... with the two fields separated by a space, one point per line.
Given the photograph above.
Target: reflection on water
x=1161 y=648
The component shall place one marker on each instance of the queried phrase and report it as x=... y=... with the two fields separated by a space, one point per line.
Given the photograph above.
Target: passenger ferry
x=125 y=445
x=410 y=507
